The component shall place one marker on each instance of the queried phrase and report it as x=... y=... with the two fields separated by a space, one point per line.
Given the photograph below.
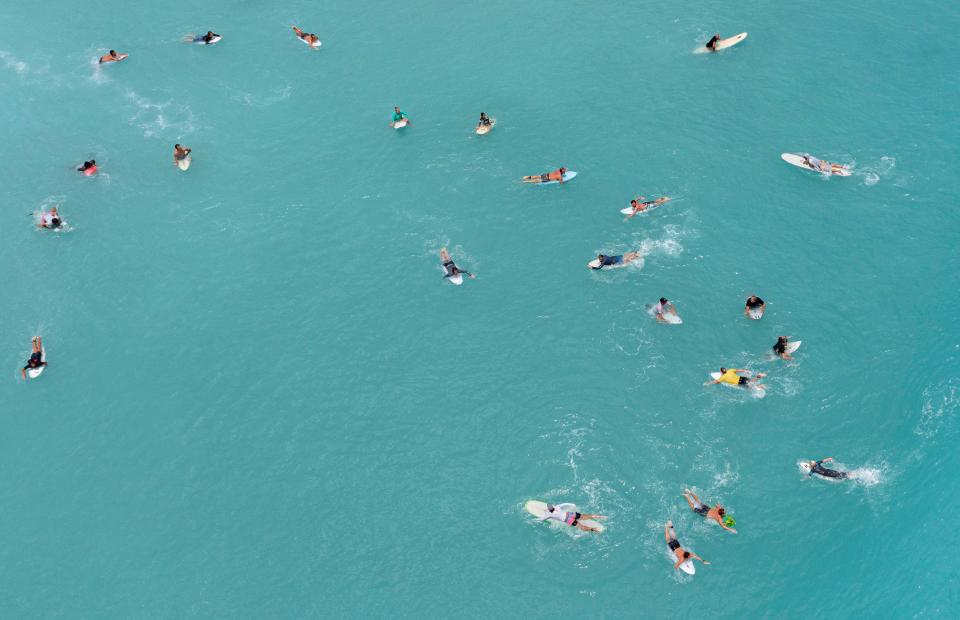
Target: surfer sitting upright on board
x=179 y=153
x=682 y=554
x=663 y=307
x=712 y=43
x=781 y=348
x=484 y=120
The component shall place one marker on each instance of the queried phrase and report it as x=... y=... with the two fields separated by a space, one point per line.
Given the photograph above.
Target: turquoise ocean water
x=264 y=401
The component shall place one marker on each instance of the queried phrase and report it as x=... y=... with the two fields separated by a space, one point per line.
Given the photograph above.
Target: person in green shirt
x=400 y=116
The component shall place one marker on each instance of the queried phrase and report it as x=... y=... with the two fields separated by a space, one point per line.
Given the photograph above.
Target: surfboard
x=33 y=373
x=755 y=313
x=629 y=210
x=485 y=129
x=569 y=174
x=539 y=510
x=400 y=124
x=793 y=346
x=669 y=317
x=722 y=44
x=688 y=567
x=184 y=163
x=315 y=45
x=797 y=160
x=457 y=279
x=92 y=170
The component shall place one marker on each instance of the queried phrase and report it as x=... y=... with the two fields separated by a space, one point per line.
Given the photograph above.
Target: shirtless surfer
x=310 y=39
x=113 y=56
x=556 y=175
x=640 y=207
x=682 y=554
x=717 y=513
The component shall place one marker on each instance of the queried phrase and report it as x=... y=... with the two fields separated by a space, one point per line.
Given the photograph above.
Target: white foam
x=14 y=64
x=939 y=403
x=154 y=119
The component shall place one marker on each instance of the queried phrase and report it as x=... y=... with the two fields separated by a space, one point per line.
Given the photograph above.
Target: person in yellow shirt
x=730 y=376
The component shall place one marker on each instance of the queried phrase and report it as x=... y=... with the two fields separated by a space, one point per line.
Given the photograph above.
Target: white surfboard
x=755 y=313
x=199 y=40
x=797 y=160
x=485 y=129
x=793 y=346
x=569 y=174
x=33 y=373
x=457 y=279
x=539 y=510
x=757 y=392
x=670 y=317
x=400 y=124
x=722 y=44
x=688 y=567
x=316 y=45
x=184 y=164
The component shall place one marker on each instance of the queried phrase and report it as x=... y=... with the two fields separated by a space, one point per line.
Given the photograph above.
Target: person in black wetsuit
x=781 y=348
x=87 y=165
x=816 y=467
x=712 y=43
x=484 y=120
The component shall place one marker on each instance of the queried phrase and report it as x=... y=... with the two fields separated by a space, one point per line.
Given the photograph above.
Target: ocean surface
x=264 y=401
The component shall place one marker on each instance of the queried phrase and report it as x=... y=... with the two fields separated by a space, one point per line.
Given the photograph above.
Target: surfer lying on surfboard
x=556 y=175
x=310 y=39
x=730 y=377
x=816 y=467
x=570 y=518
x=180 y=153
x=619 y=260
x=89 y=168
x=113 y=56
x=204 y=39
x=36 y=357
x=640 y=207
x=822 y=166
x=450 y=267
x=682 y=554
x=718 y=513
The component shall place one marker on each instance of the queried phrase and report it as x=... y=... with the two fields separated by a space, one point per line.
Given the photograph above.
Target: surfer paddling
x=573 y=519
x=113 y=56
x=450 y=267
x=619 y=260
x=556 y=175
x=754 y=304
x=309 y=38
x=36 y=357
x=718 y=513
x=50 y=220
x=682 y=554
x=822 y=166
x=816 y=467
x=640 y=207
x=730 y=376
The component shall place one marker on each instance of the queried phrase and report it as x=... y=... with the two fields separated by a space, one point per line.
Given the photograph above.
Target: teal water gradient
x=263 y=400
